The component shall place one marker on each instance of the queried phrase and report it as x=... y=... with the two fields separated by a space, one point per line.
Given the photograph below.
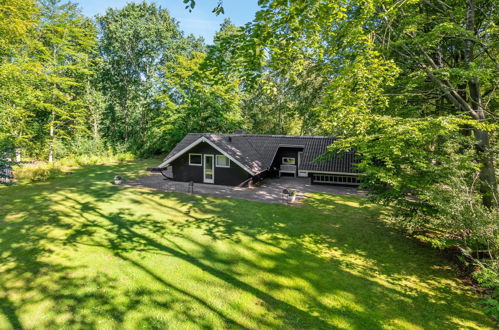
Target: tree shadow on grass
x=36 y=274
x=395 y=273
x=328 y=264
x=29 y=278
x=68 y=297
x=126 y=236
x=346 y=275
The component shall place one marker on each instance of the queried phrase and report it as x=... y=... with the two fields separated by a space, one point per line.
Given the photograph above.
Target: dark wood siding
x=230 y=176
x=285 y=152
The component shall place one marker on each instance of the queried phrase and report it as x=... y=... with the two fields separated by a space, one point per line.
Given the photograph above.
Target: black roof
x=256 y=152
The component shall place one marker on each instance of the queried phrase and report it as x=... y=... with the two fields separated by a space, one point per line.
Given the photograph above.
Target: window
x=288 y=160
x=195 y=160
x=222 y=161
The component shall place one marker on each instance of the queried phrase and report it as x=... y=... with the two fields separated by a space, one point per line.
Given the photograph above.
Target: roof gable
x=191 y=140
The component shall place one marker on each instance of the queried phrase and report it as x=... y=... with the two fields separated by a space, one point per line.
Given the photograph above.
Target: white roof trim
x=180 y=153
x=228 y=156
x=195 y=143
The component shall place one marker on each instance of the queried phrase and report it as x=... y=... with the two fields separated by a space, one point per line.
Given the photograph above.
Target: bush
x=124 y=157
x=37 y=172
x=60 y=149
x=87 y=146
x=487 y=275
x=452 y=214
x=461 y=216
x=79 y=146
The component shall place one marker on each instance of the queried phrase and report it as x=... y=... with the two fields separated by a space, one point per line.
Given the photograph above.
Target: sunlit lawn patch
x=80 y=252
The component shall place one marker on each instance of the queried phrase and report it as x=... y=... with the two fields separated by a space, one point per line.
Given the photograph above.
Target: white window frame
x=216 y=161
x=212 y=180
x=287 y=163
x=193 y=164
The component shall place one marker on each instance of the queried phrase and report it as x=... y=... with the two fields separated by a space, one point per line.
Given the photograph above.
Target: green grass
x=79 y=252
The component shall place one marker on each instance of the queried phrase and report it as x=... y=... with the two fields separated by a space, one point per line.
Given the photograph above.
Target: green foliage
x=135 y=42
x=95 y=103
x=384 y=91
x=80 y=146
x=275 y=104
x=43 y=171
x=18 y=20
x=43 y=62
x=70 y=40
x=87 y=146
x=196 y=99
x=487 y=275
x=411 y=86
x=459 y=216
x=39 y=172
x=403 y=158
x=218 y=9
x=19 y=70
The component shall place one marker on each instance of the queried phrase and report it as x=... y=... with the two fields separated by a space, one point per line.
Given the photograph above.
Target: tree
x=384 y=61
x=95 y=103
x=276 y=104
x=70 y=40
x=272 y=104
x=19 y=17
x=196 y=99
x=19 y=67
x=455 y=49
x=412 y=87
x=135 y=42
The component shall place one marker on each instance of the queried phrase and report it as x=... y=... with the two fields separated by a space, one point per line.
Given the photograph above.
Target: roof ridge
x=270 y=135
x=255 y=152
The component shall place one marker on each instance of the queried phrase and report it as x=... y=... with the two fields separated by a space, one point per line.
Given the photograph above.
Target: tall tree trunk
x=18 y=155
x=125 y=110
x=17 y=150
x=95 y=128
x=126 y=121
x=488 y=183
x=52 y=138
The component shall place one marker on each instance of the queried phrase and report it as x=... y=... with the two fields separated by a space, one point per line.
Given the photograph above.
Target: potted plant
x=292 y=196
x=118 y=179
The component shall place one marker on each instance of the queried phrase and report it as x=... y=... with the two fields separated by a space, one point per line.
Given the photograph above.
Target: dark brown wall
x=182 y=171
x=285 y=152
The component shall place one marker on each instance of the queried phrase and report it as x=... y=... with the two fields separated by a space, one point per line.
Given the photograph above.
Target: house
x=239 y=159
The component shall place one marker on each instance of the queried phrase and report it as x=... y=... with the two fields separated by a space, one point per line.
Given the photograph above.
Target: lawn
x=79 y=252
